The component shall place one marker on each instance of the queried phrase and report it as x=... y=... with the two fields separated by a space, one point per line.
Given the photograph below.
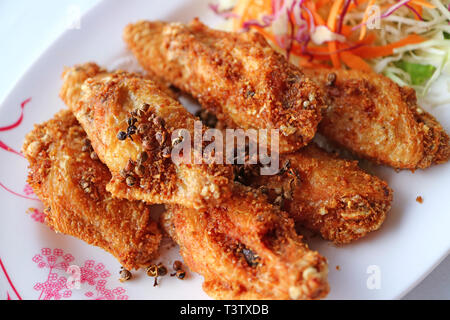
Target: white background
x=27 y=27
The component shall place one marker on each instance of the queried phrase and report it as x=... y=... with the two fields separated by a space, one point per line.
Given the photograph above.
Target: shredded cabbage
x=417 y=65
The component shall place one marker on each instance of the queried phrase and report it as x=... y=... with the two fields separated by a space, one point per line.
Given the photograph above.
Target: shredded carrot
x=354 y=53
x=248 y=10
x=266 y=34
x=381 y=51
x=369 y=39
x=317 y=53
x=355 y=4
x=321 y=3
x=331 y=23
x=318 y=20
x=346 y=31
x=423 y=3
x=354 y=62
x=333 y=15
x=304 y=62
x=419 y=10
x=322 y=53
x=239 y=10
x=332 y=46
x=313 y=50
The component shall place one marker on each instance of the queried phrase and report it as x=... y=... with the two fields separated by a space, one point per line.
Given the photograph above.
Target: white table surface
x=27 y=27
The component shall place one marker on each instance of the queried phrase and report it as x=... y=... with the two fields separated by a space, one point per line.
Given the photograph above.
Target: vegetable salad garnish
x=406 y=40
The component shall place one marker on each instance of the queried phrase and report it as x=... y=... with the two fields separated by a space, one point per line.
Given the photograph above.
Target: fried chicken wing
x=72 y=186
x=131 y=123
x=328 y=195
x=247 y=249
x=376 y=119
x=237 y=76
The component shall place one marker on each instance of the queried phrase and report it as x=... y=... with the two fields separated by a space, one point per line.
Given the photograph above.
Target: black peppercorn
x=131 y=130
x=124 y=275
x=130 y=180
x=149 y=144
x=181 y=274
x=331 y=79
x=162 y=270
x=142 y=157
x=158 y=121
x=130 y=166
x=152 y=271
x=131 y=121
x=142 y=128
x=160 y=137
x=140 y=170
x=122 y=135
x=177 y=265
x=94 y=155
x=166 y=152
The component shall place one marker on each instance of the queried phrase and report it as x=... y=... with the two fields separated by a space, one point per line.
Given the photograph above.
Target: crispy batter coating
x=328 y=195
x=72 y=186
x=375 y=118
x=247 y=249
x=320 y=191
x=237 y=76
x=108 y=103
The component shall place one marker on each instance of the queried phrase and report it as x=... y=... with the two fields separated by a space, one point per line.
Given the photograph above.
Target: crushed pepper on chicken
x=247 y=249
x=130 y=122
x=71 y=182
x=320 y=191
x=326 y=194
x=237 y=76
x=378 y=120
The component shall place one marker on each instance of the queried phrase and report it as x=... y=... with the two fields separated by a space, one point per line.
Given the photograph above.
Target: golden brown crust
x=105 y=102
x=376 y=119
x=247 y=249
x=72 y=187
x=436 y=142
x=237 y=76
x=328 y=195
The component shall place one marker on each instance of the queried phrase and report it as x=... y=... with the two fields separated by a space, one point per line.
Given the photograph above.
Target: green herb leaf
x=419 y=72
x=446 y=35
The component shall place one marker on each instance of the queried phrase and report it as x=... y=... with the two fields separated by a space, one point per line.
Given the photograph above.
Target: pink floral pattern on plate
x=37 y=215
x=27 y=190
x=93 y=274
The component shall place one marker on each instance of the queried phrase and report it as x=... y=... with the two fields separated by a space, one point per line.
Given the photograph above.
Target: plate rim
x=93 y=11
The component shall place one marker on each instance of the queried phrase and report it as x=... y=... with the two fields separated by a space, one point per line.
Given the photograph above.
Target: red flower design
x=93 y=274
x=28 y=190
x=36 y=214
x=55 y=287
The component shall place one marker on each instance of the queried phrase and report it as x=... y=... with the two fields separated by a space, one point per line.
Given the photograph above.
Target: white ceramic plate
x=384 y=265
